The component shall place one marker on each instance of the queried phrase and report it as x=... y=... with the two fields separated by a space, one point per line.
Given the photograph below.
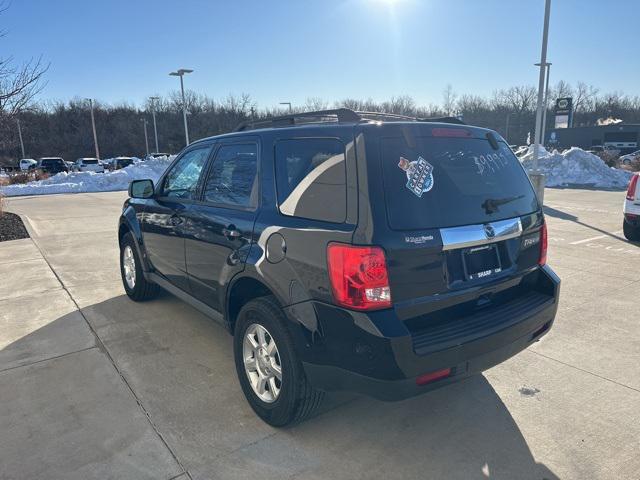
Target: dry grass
x=3 y=181
x=22 y=177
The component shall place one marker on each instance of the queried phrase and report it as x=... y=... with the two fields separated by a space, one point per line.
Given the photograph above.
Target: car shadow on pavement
x=553 y=212
x=179 y=364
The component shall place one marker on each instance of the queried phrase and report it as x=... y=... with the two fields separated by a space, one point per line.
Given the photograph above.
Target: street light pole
x=540 y=136
x=290 y=108
x=153 y=114
x=506 y=132
x=93 y=126
x=536 y=177
x=546 y=103
x=20 y=135
x=146 y=138
x=180 y=73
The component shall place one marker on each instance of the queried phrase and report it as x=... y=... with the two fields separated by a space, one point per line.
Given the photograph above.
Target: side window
x=232 y=179
x=311 y=179
x=182 y=180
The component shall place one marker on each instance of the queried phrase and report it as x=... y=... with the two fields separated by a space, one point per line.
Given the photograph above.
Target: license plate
x=481 y=262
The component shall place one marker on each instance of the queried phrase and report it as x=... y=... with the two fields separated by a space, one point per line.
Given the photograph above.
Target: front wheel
x=137 y=287
x=269 y=370
x=630 y=232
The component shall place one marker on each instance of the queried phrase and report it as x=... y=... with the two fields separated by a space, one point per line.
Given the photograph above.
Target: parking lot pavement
x=93 y=385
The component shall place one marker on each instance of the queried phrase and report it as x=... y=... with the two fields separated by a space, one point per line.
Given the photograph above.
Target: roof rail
x=455 y=120
x=341 y=115
x=383 y=115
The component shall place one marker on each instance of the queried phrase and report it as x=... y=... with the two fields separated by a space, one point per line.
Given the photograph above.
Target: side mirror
x=141 y=189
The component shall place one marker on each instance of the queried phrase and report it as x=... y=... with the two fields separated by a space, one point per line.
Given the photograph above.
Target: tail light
x=631 y=191
x=543 y=244
x=359 y=277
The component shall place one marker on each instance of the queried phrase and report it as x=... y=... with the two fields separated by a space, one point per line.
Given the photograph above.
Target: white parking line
x=586 y=240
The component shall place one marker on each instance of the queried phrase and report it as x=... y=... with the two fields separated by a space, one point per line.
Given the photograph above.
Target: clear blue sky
x=122 y=50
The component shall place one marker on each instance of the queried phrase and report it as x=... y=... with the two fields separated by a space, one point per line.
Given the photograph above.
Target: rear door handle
x=231 y=232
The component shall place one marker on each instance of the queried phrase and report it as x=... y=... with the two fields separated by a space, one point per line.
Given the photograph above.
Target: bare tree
x=519 y=99
x=562 y=89
x=402 y=105
x=471 y=104
x=314 y=104
x=584 y=97
x=449 y=100
x=359 y=105
x=19 y=84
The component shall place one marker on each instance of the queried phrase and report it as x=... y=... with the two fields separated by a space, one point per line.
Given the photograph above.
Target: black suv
x=52 y=165
x=347 y=251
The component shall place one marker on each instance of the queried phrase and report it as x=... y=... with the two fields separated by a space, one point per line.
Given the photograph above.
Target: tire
x=140 y=289
x=630 y=232
x=296 y=399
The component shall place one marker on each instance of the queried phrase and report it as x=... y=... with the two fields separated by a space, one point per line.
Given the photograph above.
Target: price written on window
x=490 y=163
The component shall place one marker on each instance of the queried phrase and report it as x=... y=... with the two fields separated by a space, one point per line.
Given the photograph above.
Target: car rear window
x=447 y=182
x=51 y=162
x=90 y=162
x=311 y=178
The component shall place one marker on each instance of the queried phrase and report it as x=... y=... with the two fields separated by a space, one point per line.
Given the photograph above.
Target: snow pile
x=576 y=167
x=81 y=182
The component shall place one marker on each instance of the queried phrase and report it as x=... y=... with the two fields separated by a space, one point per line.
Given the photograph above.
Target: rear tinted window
x=311 y=178
x=52 y=163
x=232 y=179
x=90 y=162
x=446 y=182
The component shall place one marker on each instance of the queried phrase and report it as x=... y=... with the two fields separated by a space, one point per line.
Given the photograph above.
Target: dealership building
x=621 y=136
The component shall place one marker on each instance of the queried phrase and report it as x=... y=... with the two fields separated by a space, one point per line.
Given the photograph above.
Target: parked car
x=156 y=155
x=368 y=254
x=520 y=150
x=629 y=158
x=88 y=165
x=52 y=165
x=600 y=149
x=631 y=211
x=120 y=162
x=27 y=164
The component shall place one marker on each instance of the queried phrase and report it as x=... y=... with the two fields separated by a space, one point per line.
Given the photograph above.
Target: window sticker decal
x=419 y=175
x=491 y=163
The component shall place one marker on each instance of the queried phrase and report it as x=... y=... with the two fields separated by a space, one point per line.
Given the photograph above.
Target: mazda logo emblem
x=489 y=231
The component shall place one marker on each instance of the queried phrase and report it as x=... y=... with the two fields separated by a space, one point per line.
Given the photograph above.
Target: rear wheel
x=269 y=370
x=630 y=232
x=136 y=286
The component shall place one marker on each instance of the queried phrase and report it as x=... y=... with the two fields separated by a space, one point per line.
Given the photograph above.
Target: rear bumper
x=631 y=212
x=375 y=354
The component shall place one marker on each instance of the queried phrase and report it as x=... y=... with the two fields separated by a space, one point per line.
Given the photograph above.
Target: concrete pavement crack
x=100 y=344
x=585 y=371
x=46 y=359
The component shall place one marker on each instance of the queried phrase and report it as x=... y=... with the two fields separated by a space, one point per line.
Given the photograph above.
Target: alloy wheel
x=129 y=264
x=262 y=363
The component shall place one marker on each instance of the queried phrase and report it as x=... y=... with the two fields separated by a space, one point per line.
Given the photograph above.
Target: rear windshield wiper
x=492 y=205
